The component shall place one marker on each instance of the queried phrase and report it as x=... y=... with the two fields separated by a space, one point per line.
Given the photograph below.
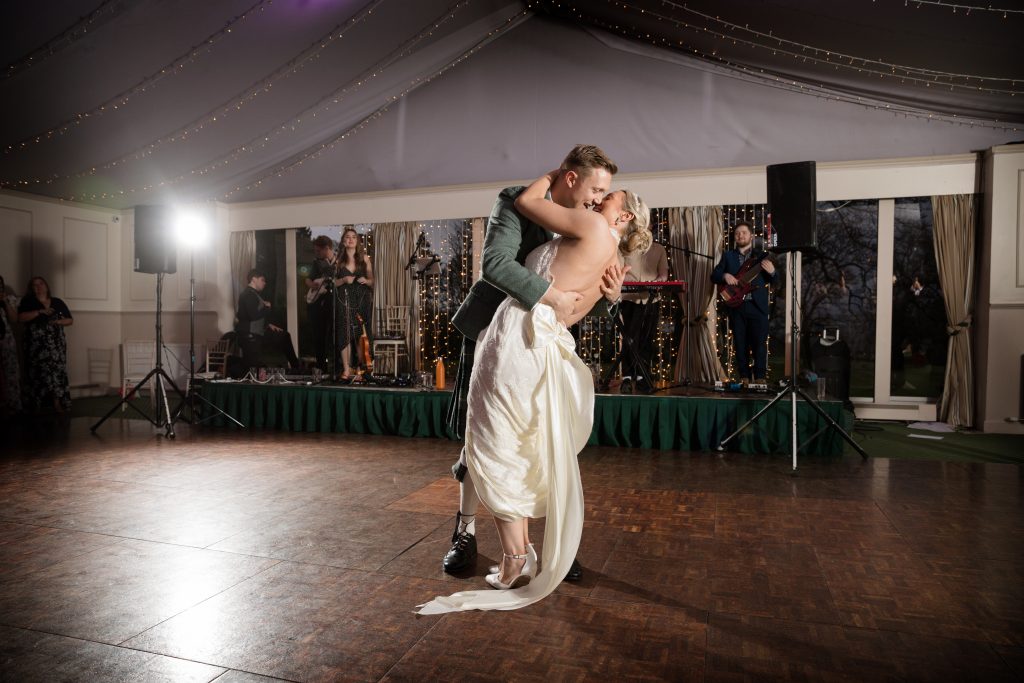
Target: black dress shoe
x=575 y=572
x=462 y=554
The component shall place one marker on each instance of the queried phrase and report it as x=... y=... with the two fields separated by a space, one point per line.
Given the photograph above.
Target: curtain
x=694 y=231
x=242 y=246
x=954 y=218
x=393 y=286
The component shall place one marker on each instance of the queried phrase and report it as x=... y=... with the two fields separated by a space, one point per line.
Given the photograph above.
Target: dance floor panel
x=239 y=556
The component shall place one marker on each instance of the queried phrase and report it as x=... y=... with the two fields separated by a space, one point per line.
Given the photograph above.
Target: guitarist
x=749 y=319
x=320 y=295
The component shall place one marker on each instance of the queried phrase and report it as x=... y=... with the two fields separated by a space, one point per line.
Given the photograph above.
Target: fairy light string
x=311 y=152
x=317 y=150
x=220 y=113
x=118 y=101
x=107 y=10
x=770 y=79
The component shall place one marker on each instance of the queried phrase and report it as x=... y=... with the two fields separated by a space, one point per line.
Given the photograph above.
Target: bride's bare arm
x=567 y=222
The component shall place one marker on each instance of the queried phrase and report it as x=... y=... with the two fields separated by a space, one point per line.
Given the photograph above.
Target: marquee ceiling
x=124 y=102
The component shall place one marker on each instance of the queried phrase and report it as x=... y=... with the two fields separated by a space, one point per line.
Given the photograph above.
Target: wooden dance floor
x=241 y=556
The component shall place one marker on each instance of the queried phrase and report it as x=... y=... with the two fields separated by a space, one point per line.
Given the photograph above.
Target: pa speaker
x=792 y=196
x=155 y=251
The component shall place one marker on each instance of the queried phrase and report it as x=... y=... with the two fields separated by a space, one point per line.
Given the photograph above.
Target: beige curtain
x=393 y=286
x=697 y=229
x=954 y=217
x=242 y=246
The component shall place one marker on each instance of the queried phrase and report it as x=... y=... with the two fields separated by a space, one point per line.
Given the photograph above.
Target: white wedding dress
x=531 y=411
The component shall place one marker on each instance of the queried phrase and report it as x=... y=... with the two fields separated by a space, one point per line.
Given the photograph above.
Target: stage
x=684 y=419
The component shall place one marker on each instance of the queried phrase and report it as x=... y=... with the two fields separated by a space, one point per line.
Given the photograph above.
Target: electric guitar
x=732 y=295
x=315 y=293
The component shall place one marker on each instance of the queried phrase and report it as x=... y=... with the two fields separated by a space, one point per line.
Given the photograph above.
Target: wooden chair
x=217 y=357
x=389 y=343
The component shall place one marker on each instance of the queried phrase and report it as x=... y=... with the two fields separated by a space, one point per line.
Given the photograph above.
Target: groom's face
x=588 y=189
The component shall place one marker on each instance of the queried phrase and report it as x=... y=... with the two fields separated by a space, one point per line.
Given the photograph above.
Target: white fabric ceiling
x=309 y=97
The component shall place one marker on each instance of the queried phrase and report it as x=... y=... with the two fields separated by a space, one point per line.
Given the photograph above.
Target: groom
x=508 y=240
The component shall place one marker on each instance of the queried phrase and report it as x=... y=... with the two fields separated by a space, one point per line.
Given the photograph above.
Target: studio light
x=191 y=229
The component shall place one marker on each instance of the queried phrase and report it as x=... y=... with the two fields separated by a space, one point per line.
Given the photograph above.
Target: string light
x=221 y=112
x=312 y=152
x=90 y=22
x=1005 y=11
x=172 y=68
x=891 y=68
x=317 y=150
x=764 y=78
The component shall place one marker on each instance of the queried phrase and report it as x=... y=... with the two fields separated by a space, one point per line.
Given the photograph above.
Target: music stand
x=158 y=374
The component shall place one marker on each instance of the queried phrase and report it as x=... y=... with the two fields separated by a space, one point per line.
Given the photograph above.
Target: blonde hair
x=637 y=235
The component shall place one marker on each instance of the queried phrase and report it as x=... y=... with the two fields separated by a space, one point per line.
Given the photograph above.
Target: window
x=839 y=284
x=919 y=338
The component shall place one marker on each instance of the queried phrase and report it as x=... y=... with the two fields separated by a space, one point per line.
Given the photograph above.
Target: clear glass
x=919 y=339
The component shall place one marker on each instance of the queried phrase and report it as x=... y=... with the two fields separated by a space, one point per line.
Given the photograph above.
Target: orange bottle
x=439 y=374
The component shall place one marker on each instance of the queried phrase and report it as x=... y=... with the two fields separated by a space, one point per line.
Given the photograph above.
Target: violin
x=364 y=347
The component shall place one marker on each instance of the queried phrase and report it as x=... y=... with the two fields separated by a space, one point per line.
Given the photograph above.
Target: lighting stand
x=192 y=395
x=791 y=389
x=159 y=376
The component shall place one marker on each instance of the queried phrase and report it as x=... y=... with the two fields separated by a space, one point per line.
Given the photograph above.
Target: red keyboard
x=644 y=286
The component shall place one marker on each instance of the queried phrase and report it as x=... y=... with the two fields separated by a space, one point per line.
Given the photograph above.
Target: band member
x=648 y=262
x=355 y=297
x=748 y=320
x=257 y=337
x=319 y=296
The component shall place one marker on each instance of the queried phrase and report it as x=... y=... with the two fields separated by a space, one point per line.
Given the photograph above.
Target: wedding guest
x=10 y=385
x=46 y=350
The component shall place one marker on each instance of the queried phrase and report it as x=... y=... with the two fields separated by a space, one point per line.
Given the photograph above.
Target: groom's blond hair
x=585 y=158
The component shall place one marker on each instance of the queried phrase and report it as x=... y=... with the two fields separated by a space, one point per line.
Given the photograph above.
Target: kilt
x=456 y=417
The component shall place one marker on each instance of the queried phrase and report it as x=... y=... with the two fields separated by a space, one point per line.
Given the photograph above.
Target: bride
x=531 y=399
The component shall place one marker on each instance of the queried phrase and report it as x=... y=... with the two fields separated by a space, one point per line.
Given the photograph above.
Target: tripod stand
x=192 y=395
x=791 y=389
x=157 y=374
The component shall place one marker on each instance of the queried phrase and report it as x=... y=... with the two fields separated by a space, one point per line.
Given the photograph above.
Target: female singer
x=355 y=294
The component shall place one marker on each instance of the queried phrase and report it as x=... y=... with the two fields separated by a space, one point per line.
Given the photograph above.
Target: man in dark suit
x=508 y=240
x=258 y=338
x=748 y=321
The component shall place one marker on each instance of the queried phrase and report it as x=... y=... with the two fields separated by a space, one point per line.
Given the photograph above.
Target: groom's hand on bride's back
x=563 y=303
x=611 y=282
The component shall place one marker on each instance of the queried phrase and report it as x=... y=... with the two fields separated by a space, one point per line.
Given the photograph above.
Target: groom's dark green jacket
x=508 y=240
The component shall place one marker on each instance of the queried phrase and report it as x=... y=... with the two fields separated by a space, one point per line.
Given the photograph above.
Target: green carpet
x=894 y=440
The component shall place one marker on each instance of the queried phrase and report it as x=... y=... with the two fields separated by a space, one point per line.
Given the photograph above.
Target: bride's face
x=612 y=208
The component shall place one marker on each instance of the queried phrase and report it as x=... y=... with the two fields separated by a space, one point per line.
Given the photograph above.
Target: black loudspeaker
x=792 y=196
x=155 y=250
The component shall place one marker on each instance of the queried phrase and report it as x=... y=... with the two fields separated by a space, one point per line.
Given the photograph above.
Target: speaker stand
x=160 y=378
x=791 y=390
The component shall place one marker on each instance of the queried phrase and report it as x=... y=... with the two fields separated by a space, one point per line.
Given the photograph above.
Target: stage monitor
x=792 y=199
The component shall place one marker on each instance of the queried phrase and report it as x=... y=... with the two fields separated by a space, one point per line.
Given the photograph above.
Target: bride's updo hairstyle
x=637 y=236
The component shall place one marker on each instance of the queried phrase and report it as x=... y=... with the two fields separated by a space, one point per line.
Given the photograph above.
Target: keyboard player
x=639 y=311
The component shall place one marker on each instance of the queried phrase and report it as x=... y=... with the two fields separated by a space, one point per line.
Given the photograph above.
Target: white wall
x=65 y=239
x=1000 y=312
